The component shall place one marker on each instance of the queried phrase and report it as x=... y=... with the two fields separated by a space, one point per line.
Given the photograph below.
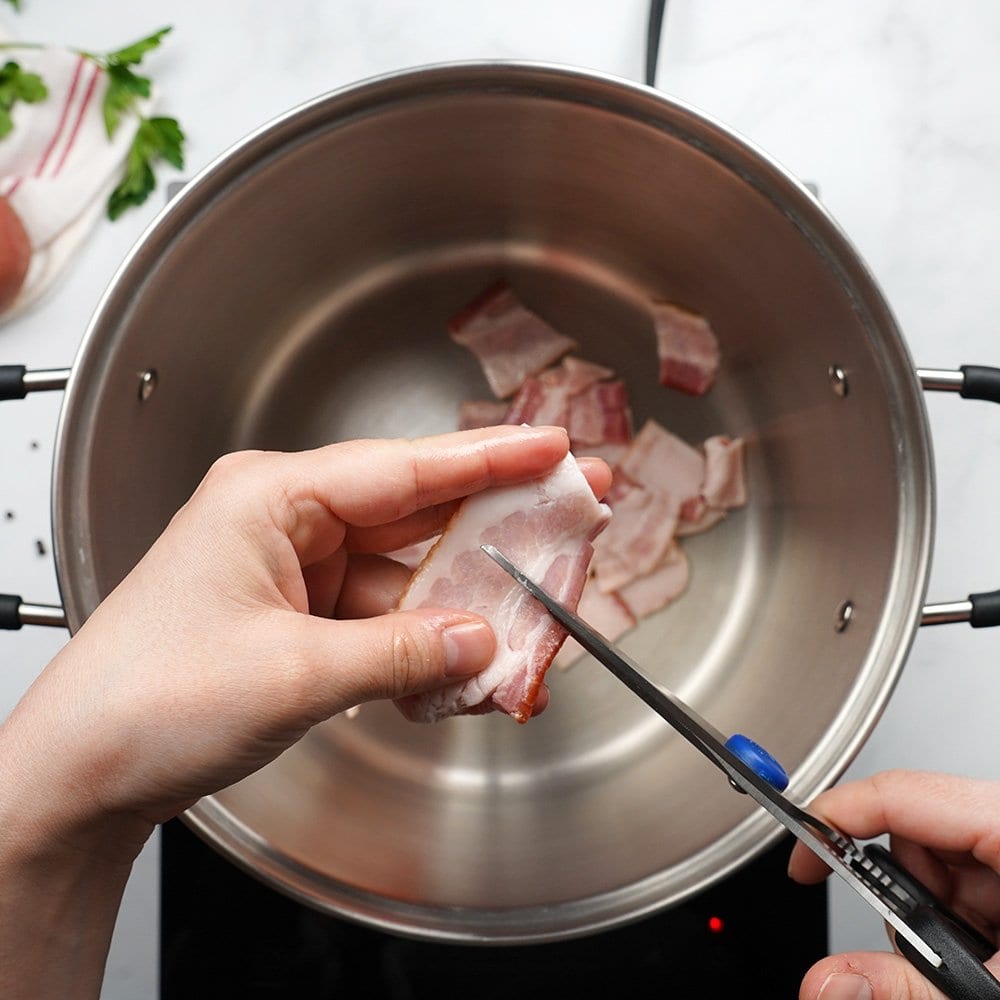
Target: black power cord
x=657 y=10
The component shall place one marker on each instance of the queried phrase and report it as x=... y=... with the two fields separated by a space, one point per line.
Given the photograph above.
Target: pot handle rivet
x=838 y=380
x=844 y=615
x=147 y=384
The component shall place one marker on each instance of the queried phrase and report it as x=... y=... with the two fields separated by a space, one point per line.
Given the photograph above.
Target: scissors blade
x=833 y=847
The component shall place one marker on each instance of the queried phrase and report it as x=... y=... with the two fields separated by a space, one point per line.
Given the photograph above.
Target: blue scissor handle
x=758 y=760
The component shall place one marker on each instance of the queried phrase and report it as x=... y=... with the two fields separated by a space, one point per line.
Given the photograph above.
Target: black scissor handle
x=983 y=947
x=961 y=974
x=962 y=948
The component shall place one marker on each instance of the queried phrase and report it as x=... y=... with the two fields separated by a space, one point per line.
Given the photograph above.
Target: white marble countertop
x=890 y=106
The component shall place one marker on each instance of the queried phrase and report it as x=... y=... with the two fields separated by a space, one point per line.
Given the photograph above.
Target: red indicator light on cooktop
x=716 y=925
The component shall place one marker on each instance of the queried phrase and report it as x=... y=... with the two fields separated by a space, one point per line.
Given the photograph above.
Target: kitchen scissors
x=945 y=948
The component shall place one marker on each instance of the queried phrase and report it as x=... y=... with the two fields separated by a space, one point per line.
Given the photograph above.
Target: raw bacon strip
x=687 y=347
x=510 y=341
x=540 y=403
x=656 y=479
x=699 y=519
x=638 y=537
x=576 y=374
x=600 y=414
x=548 y=397
x=576 y=396
x=411 y=556
x=661 y=461
x=666 y=582
x=545 y=527
x=606 y=613
x=724 y=487
x=725 y=484
x=473 y=413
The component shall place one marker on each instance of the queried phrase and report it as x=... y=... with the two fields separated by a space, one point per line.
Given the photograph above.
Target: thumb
x=396 y=654
x=867 y=976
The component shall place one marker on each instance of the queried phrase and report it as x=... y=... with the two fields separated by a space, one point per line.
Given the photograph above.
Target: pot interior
x=297 y=293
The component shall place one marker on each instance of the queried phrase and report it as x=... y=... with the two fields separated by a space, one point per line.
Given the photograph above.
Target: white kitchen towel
x=57 y=165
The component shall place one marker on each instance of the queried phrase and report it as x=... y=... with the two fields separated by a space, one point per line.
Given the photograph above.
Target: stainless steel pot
x=296 y=293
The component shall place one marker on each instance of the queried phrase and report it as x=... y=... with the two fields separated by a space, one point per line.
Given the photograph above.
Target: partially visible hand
x=206 y=663
x=946 y=831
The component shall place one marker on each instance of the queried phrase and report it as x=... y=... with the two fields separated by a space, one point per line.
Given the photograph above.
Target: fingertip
x=468 y=646
x=805 y=867
x=541 y=701
x=597 y=472
x=552 y=434
x=865 y=975
x=845 y=986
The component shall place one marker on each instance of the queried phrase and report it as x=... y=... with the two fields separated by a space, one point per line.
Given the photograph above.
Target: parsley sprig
x=156 y=138
x=17 y=85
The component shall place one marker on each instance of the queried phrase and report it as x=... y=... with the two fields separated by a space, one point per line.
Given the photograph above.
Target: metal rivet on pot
x=147 y=384
x=838 y=379
x=844 y=615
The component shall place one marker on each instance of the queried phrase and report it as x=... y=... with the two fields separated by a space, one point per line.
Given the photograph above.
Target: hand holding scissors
x=946 y=949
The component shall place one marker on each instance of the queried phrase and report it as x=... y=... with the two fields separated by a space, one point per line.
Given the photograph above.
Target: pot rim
x=736 y=153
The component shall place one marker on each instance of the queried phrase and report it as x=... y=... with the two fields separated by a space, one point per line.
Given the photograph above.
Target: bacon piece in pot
x=600 y=414
x=539 y=402
x=637 y=537
x=724 y=487
x=661 y=461
x=663 y=584
x=545 y=527
x=725 y=484
x=606 y=613
x=687 y=347
x=473 y=413
x=576 y=395
x=549 y=397
x=510 y=341
x=576 y=374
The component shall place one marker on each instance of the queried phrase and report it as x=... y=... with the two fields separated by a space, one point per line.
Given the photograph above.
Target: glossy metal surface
x=297 y=292
x=941 y=380
x=46 y=380
x=42 y=614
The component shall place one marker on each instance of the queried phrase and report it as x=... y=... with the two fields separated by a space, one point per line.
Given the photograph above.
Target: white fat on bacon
x=657 y=477
x=578 y=396
x=637 y=537
x=510 y=341
x=665 y=582
x=687 y=348
x=545 y=527
x=663 y=489
x=723 y=489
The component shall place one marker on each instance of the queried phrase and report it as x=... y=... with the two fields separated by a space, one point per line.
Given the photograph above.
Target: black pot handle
x=970 y=382
x=14 y=613
x=16 y=381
